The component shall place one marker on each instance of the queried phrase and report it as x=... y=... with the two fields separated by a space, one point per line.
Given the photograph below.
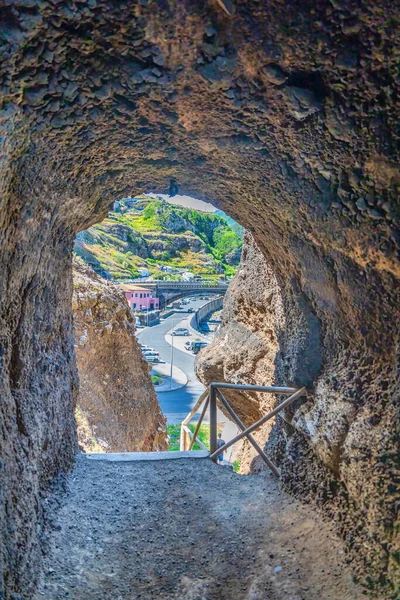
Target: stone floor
x=188 y=529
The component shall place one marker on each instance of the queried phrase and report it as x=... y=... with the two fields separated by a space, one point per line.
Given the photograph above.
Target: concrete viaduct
x=168 y=291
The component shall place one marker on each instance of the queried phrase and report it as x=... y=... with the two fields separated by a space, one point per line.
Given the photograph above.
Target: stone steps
x=140 y=456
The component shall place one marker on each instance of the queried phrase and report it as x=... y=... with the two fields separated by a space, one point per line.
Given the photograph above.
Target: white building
x=187 y=276
x=144 y=272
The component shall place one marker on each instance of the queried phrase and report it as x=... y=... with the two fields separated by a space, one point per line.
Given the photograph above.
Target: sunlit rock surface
x=117 y=408
x=284 y=115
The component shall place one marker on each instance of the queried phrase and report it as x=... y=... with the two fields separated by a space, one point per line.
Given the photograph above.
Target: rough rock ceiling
x=290 y=104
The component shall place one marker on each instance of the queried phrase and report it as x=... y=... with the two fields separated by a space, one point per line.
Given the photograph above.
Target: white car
x=150 y=352
x=180 y=331
x=188 y=345
x=152 y=358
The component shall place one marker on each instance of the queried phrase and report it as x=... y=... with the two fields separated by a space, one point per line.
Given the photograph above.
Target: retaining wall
x=204 y=311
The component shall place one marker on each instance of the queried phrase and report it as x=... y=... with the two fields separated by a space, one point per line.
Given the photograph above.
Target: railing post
x=182 y=441
x=213 y=420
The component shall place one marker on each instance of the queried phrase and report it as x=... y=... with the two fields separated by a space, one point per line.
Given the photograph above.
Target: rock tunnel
x=283 y=114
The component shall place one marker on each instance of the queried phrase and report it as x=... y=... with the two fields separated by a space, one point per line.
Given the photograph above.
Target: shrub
x=225 y=240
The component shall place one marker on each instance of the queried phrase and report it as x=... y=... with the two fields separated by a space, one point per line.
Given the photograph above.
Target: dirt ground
x=188 y=529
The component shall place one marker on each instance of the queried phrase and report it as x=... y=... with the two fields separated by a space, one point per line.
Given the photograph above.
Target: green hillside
x=156 y=235
x=236 y=227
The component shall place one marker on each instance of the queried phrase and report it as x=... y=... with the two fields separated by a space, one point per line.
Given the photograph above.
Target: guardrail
x=195 y=285
x=205 y=310
x=209 y=397
x=188 y=438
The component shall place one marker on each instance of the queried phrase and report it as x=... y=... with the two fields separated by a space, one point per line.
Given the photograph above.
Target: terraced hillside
x=156 y=235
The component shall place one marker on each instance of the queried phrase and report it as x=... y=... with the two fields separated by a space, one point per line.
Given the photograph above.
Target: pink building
x=139 y=298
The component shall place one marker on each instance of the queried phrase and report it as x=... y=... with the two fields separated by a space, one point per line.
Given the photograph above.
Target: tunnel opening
x=172 y=259
x=151 y=217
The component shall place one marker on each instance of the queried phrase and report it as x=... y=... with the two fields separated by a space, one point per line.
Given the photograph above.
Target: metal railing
x=191 y=285
x=188 y=438
x=209 y=397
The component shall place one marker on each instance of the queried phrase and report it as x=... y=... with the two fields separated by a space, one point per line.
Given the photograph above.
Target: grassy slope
x=99 y=245
x=174 y=432
x=236 y=227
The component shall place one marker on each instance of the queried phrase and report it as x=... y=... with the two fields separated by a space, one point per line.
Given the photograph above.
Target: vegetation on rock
x=174 y=434
x=236 y=227
x=155 y=235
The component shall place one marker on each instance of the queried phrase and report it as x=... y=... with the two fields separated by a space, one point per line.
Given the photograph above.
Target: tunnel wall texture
x=283 y=114
x=330 y=450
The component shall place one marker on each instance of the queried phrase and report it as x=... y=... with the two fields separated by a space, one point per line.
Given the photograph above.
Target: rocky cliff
x=156 y=234
x=321 y=445
x=117 y=408
x=284 y=114
x=246 y=345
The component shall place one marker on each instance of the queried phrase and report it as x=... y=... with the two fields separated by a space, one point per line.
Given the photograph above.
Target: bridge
x=168 y=291
x=195 y=286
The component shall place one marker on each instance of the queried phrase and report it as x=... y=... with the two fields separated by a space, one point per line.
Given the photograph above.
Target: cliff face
x=246 y=345
x=154 y=234
x=117 y=408
x=285 y=116
x=339 y=447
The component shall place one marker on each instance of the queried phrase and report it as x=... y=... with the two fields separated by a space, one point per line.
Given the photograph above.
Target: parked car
x=188 y=345
x=143 y=347
x=152 y=358
x=190 y=310
x=147 y=353
x=181 y=331
x=197 y=346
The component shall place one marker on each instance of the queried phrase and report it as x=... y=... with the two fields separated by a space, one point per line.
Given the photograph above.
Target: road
x=177 y=404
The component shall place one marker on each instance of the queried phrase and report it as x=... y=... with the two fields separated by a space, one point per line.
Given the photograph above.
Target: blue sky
x=187 y=201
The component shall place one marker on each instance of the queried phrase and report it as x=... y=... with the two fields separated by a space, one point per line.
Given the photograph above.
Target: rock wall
x=337 y=448
x=117 y=408
x=246 y=346
x=38 y=387
x=284 y=115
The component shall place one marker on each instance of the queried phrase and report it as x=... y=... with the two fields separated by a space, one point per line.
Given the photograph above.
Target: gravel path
x=188 y=529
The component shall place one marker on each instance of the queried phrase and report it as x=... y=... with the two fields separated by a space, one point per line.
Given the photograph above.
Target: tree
x=225 y=240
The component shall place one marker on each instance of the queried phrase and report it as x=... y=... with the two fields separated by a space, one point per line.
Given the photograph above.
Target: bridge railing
x=209 y=397
x=195 y=285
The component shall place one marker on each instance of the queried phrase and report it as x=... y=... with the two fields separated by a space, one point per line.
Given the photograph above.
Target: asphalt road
x=177 y=404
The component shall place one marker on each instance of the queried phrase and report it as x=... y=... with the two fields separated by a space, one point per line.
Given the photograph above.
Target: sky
x=188 y=202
